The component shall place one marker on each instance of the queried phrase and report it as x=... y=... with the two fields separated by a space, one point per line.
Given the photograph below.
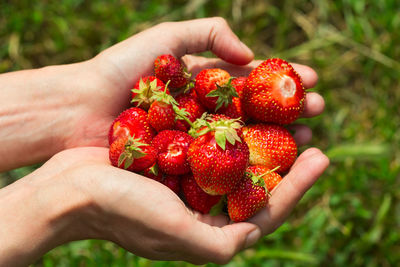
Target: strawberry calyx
x=218 y=208
x=144 y=93
x=224 y=94
x=132 y=151
x=224 y=129
x=258 y=179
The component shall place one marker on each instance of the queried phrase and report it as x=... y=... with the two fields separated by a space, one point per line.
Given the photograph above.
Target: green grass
x=351 y=217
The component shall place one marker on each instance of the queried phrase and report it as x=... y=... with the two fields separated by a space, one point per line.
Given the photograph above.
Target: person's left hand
x=113 y=73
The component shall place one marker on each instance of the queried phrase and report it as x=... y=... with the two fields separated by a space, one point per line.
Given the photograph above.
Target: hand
x=96 y=200
x=119 y=67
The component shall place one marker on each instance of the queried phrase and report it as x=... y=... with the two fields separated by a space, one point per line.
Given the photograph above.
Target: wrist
x=39 y=214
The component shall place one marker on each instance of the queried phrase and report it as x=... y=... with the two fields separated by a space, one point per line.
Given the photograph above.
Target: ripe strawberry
x=172 y=147
x=235 y=109
x=250 y=195
x=192 y=106
x=168 y=68
x=172 y=182
x=132 y=154
x=144 y=89
x=213 y=88
x=131 y=122
x=270 y=145
x=153 y=173
x=274 y=93
x=195 y=197
x=217 y=165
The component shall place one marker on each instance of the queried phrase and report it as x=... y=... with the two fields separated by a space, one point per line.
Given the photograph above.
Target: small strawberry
x=168 y=68
x=235 y=109
x=132 y=154
x=153 y=173
x=144 y=89
x=195 y=197
x=172 y=182
x=172 y=147
x=270 y=145
x=131 y=122
x=192 y=106
x=213 y=88
x=250 y=195
x=274 y=93
x=218 y=157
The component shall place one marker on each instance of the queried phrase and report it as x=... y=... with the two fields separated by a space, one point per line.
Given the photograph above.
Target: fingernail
x=252 y=237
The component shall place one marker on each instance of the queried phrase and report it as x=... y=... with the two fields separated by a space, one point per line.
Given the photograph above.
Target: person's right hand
x=78 y=195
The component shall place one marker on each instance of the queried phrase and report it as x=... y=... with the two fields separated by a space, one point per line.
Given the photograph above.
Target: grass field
x=351 y=217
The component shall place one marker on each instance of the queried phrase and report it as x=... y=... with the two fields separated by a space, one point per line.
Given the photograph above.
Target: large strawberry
x=270 y=145
x=235 y=109
x=131 y=122
x=132 y=154
x=218 y=156
x=195 y=197
x=144 y=89
x=167 y=68
x=213 y=88
x=192 y=106
x=172 y=147
x=274 y=93
x=250 y=195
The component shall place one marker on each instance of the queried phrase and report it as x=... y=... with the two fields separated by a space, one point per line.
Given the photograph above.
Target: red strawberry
x=153 y=173
x=270 y=145
x=131 y=122
x=274 y=93
x=172 y=147
x=213 y=88
x=217 y=165
x=172 y=182
x=161 y=116
x=131 y=154
x=250 y=195
x=192 y=106
x=144 y=89
x=195 y=197
x=168 y=68
x=235 y=110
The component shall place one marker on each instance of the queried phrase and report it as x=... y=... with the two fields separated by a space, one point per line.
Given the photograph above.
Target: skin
x=77 y=194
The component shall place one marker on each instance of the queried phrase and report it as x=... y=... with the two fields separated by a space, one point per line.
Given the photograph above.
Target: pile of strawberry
x=217 y=141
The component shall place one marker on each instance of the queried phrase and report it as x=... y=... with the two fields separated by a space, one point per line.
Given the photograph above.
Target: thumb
x=208 y=34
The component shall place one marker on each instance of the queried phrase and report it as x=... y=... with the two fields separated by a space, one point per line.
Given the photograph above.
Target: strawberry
x=172 y=147
x=218 y=156
x=153 y=173
x=192 y=106
x=250 y=195
x=274 y=93
x=195 y=197
x=213 y=88
x=144 y=89
x=270 y=145
x=132 y=154
x=168 y=68
x=172 y=182
x=131 y=122
x=235 y=110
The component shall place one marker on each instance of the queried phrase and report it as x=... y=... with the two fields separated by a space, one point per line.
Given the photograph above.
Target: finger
x=212 y=34
x=302 y=134
x=197 y=63
x=313 y=106
x=303 y=174
x=215 y=244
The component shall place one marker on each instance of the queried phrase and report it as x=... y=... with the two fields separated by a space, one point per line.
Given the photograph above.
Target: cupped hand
x=148 y=219
x=113 y=72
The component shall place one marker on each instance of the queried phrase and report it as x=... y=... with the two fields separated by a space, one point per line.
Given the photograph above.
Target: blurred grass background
x=351 y=217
